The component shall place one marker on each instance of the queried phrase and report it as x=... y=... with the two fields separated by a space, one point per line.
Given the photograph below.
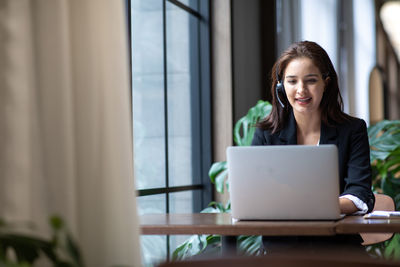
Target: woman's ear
x=327 y=80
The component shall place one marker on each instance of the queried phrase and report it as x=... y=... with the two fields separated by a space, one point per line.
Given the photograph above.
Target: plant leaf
x=244 y=128
x=216 y=169
x=26 y=248
x=392 y=250
x=220 y=181
x=73 y=251
x=250 y=245
x=56 y=222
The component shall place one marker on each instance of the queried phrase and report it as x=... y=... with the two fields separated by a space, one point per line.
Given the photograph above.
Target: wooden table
x=357 y=224
x=222 y=224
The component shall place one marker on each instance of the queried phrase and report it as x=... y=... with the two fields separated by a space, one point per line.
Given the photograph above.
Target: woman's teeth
x=304 y=99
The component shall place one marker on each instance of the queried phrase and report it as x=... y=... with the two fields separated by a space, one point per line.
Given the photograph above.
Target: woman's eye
x=291 y=81
x=312 y=81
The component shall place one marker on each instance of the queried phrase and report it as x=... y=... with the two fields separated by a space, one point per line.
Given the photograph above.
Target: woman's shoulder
x=352 y=124
x=354 y=121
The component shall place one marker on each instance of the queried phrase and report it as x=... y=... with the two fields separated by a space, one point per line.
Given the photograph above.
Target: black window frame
x=200 y=103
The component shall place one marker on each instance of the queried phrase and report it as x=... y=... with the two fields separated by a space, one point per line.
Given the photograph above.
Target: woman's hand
x=347 y=206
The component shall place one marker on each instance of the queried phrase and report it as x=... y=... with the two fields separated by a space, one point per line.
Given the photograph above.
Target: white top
x=361 y=206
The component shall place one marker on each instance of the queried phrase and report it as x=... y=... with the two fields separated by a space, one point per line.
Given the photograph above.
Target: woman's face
x=304 y=86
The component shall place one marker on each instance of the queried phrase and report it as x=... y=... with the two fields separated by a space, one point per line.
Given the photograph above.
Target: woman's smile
x=304 y=86
x=303 y=100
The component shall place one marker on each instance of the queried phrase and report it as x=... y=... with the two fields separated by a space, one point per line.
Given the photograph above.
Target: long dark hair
x=331 y=103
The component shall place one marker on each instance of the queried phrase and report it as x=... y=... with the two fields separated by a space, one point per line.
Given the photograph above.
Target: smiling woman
x=305 y=87
x=307 y=110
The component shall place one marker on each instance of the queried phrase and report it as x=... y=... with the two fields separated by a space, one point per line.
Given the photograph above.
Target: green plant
x=243 y=133
x=384 y=139
x=60 y=250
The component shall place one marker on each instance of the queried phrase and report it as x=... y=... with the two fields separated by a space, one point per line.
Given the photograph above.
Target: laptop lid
x=292 y=182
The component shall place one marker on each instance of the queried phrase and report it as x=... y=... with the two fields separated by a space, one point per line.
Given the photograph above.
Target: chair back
x=382 y=202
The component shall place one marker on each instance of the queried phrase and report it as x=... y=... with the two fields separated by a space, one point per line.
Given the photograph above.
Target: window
x=171 y=111
x=391 y=21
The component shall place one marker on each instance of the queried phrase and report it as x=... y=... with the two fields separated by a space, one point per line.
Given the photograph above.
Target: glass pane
x=181 y=82
x=193 y=4
x=154 y=249
x=148 y=93
x=182 y=202
x=151 y=204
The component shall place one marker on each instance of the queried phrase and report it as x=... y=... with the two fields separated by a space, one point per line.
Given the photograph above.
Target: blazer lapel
x=328 y=134
x=288 y=135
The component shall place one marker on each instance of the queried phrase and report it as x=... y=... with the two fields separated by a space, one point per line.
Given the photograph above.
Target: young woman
x=307 y=109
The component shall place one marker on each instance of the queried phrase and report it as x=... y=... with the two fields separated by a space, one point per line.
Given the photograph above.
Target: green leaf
x=391 y=163
x=228 y=206
x=378 y=155
x=244 y=128
x=56 y=222
x=384 y=138
x=392 y=250
x=250 y=245
x=217 y=174
x=215 y=207
x=26 y=248
x=397 y=201
x=195 y=245
x=241 y=124
x=73 y=251
x=390 y=185
x=213 y=239
x=210 y=210
x=180 y=252
x=220 y=181
x=216 y=169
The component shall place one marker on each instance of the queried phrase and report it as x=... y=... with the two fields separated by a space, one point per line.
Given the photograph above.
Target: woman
x=307 y=110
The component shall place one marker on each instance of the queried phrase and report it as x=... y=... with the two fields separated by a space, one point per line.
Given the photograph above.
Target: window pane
x=182 y=202
x=193 y=4
x=154 y=249
x=148 y=93
x=151 y=204
x=181 y=82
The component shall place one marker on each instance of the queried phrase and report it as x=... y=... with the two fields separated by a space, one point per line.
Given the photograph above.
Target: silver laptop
x=284 y=182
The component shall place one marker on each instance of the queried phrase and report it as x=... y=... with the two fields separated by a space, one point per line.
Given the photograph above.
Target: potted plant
x=384 y=140
x=242 y=135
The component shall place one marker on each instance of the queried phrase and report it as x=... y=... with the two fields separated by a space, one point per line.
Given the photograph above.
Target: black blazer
x=351 y=138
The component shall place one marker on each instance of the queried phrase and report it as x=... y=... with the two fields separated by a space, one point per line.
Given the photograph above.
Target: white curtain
x=65 y=124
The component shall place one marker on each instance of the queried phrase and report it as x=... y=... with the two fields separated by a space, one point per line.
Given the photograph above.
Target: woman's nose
x=301 y=88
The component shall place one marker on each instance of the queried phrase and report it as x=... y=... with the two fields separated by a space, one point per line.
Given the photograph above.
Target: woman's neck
x=308 y=128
